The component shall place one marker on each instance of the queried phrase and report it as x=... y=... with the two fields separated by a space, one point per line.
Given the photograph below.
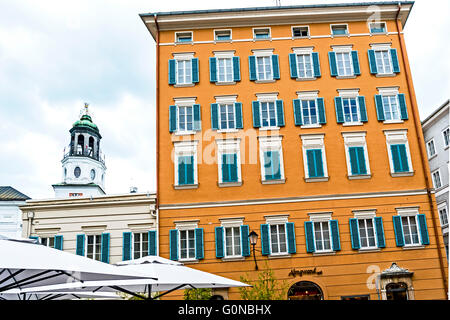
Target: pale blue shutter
x=316 y=64
x=275 y=67
x=214 y=116
x=172 y=118
x=403 y=109
x=199 y=250
x=381 y=242
x=80 y=244
x=335 y=240
x=172 y=71
x=265 y=240
x=197 y=117
x=372 y=62
x=355 y=60
x=293 y=65
x=280 y=113
x=333 y=65
x=126 y=246
x=105 y=247
x=362 y=108
x=219 y=242
x=195 y=71
x=395 y=63
x=297 y=112
x=212 y=69
x=398 y=229
x=252 y=67
x=321 y=110
x=245 y=240
x=256 y=114
x=379 y=106
x=309 y=236
x=236 y=69
x=173 y=234
x=354 y=233
x=238 y=114
x=422 y=220
x=339 y=110
x=59 y=242
x=152 y=243
x=290 y=232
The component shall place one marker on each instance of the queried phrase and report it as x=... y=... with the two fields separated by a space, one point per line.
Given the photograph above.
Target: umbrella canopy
x=171 y=275
x=15 y=294
x=24 y=264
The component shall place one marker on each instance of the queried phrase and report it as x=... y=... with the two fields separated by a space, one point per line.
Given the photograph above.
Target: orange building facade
x=301 y=124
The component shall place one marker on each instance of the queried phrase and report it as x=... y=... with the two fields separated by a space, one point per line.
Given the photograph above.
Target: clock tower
x=83 y=164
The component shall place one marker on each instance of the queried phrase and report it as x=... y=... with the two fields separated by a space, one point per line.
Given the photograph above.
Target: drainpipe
x=421 y=143
x=157 y=134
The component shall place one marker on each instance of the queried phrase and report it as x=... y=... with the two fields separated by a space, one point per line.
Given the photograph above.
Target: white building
x=10 y=214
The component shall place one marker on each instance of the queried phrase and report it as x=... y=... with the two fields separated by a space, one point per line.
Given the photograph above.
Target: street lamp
x=253 y=239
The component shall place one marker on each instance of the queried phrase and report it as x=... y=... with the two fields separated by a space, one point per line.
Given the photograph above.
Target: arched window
x=305 y=290
x=91 y=147
x=80 y=144
x=397 y=291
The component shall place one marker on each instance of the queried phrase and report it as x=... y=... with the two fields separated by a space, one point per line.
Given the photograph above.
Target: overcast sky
x=56 y=55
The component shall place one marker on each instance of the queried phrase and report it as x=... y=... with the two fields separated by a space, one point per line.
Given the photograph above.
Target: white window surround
x=255 y=30
x=356 y=139
x=263 y=53
x=322 y=217
x=183 y=56
x=367 y=214
x=228 y=146
x=184 y=102
x=309 y=95
x=304 y=51
x=384 y=47
x=339 y=25
x=351 y=94
x=216 y=31
x=314 y=141
x=299 y=37
x=227 y=54
x=232 y=222
x=185 y=148
x=185 y=226
x=277 y=220
x=378 y=22
x=411 y=212
x=183 y=32
x=443 y=206
x=433 y=175
x=390 y=91
x=443 y=138
x=227 y=99
x=268 y=97
x=428 y=143
x=398 y=137
x=344 y=49
x=271 y=143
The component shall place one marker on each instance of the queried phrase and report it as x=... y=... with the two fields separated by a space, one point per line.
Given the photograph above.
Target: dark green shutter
x=290 y=232
x=105 y=247
x=59 y=242
x=333 y=65
x=379 y=106
x=280 y=113
x=372 y=62
x=398 y=229
x=362 y=108
x=212 y=69
x=339 y=110
x=80 y=244
x=316 y=64
x=214 y=116
x=357 y=160
x=126 y=246
x=197 y=117
x=297 y=112
x=399 y=158
x=252 y=67
x=315 y=163
x=381 y=242
x=309 y=236
x=233 y=168
x=238 y=114
x=173 y=234
x=293 y=65
x=245 y=240
x=195 y=71
x=321 y=110
x=275 y=67
x=256 y=114
x=199 y=250
x=403 y=109
x=265 y=240
x=152 y=243
x=236 y=69
x=354 y=233
x=355 y=60
x=219 y=242
x=422 y=220
x=225 y=170
x=172 y=118
x=172 y=71
x=334 y=228
x=190 y=171
x=395 y=63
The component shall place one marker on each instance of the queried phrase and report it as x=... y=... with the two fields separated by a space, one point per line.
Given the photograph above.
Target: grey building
x=436 y=134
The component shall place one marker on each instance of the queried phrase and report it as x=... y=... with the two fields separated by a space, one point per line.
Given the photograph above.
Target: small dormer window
x=378 y=27
x=339 y=30
x=262 y=33
x=222 y=35
x=183 y=37
x=300 y=32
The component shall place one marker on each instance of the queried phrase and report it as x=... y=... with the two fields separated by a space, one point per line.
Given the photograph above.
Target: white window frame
x=304 y=51
x=228 y=100
x=177 y=33
x=94 y=252
x=258 y=53
x=434 y=174
x=183 y=56
x=389 y=92
x=277 y=220
x=398 y=137
x=377 y=47
x=49 y=240
x=446 y=144
x=216 y=31
x=224 y=55
x=185 y=148
x=351 y=94
x=322 y=217
x=356 y=139
x=256 y=30
x=186 y=226
x=367 y=215
x=443 y=206
x=300 y=37
x=380 y=22
x=410 y=212
x=268 y=97
x=231 y=223
x=225 y=146
x=314 y=141
x=184 y=102
x=431 y=143
x=142 y=253
x=339 y=25
x=271 y=143
x=347 y=49
x=308 y=96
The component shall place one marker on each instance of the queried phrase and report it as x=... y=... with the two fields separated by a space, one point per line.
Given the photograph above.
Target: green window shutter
x=238 y=115
x=403 y=109
x=321 y=110
x=34 y=238
x=309 y=236
x=195 y=71
x=105 y=247
x=357 y=160
x=339 y=110
x=422 y=220
x=152 y=243
x=59 y=242
x=126 y=246
x=297 y=112
x=315 y=163
x=214 y=116
x=173 y=234
x=172 y=71
x=290 y=232
x=379 y=106
x=190 y=170
x=219 y=242
x=280 y=113
x=379 y=230
x=333 y=65
x=236 y=69
x=395 y=63
x=233 y=168
x=245 y=240
x=265 y=240
x=181 y=171
x=172 y=118
x=225 y=169
x=80 y=244
x=199 y=248
x=293 y=65
x=355 y=60
x=335 y=240
x=354 y=233
x=275 y=67
x=372 y=62
x=252 y=67
x=398 y=229
x=256 y=114
x=276 y=165
x=399 y=158
x=316 y=64
x=362 y=108
x=212 y=69
x=319 y=163
x=197 y=117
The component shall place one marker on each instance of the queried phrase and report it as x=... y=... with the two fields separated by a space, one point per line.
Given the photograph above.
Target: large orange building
x=299 y=123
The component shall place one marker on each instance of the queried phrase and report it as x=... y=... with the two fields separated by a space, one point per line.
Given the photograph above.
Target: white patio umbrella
x=15 y=294
x=171 y=275
x=24 y=264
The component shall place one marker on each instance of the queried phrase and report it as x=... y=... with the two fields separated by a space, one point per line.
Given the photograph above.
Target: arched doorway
x=397 y=291
x=305 y=290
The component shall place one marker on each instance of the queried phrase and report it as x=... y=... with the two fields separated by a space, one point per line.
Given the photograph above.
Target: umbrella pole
x=128 y=292
x=176 y=288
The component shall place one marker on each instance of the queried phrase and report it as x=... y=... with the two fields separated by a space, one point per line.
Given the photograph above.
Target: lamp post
x=253 y=239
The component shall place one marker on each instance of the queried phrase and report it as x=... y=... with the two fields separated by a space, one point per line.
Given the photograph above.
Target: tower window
x=77 y=172
x=92 y=174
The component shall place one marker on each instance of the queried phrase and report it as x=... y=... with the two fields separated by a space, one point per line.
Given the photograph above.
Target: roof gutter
x=157 y=133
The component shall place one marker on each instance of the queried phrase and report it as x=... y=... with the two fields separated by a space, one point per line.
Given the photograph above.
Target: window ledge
x=268 y=128
x=349 y=124
x=265 y=81
x=229 y=184
x=378 y=33
x=359 y=176
x=385 y=75
x=402 y=174
x=222 y=41
x=446 y=147
x=306 y=79
x=189 y=186
x=188 y=261
x=279 y=255
x=184 y=85
x=184 y=42
x=393 y=121
x=184 y=133
x=309 y=126
x=277 y=181
x=318 y=179
x=340 y=35
x=413 y=247
x=364 y=250
x=225 y=83
x=262 y=39
x=227 y=130
x=433 y=156
x=240 y=258
x=346 y=77
x=325 y=253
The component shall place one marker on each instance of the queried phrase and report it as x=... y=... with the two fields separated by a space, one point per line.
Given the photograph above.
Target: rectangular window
x=350 y=110
x=431 y=149
x=357 y=160
x=366 y=233
x=315 y=163
x=300 y=32
x=344 y=63
x=268 y=115
x=184 y=71
x=48 y=242
x=225 y=69
x=229 y=167
x=399 y=158
x=383 y=60
x=309 y=112
x=443 y=214
x=445 y=134
x=410 y=230
x=305 y=66
x=222 y=35
x=272 y=169
x=227 y=116
x=187 y=244
x=264 y=68
x=391 y=108
x=94 y=247
x=185 y=170
x=378 y=27
x=278 y=238
x=183 y=36
x=263 y=33
x=322 y=236
x=232 y=241
x=338 y=30
x=437 y=179
x=140 y=244
x=185 y=118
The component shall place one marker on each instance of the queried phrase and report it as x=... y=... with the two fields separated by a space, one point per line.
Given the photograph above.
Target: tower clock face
x=92 y=174
x=77 y=172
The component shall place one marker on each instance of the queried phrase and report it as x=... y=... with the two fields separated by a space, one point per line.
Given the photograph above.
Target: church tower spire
x=83 y=163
